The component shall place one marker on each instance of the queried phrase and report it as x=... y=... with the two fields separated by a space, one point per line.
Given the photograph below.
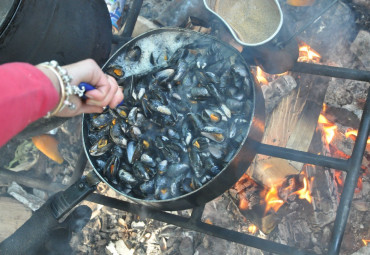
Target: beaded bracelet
x=66 y=89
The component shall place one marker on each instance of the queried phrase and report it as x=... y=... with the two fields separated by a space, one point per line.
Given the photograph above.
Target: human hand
x=106 y=93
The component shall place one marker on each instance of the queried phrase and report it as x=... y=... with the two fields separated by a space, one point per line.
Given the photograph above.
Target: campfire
x=277 y=199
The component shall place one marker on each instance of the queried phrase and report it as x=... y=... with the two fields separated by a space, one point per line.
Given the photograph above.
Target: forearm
x=27 y=94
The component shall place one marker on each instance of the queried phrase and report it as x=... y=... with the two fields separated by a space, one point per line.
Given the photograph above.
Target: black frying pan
x=170 y=40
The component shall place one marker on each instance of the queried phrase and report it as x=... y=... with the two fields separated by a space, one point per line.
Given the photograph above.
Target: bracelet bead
x=66 y=89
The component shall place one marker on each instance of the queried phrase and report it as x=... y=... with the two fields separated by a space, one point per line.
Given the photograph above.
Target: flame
x=252 y=229
x=307 y=54
x=365 y=242
x=305 y=192
x=328 y=128
x=359 y=185
x=261 y=76
x=338 y=177
x=273 y=200
x=243 y=204
x=353 y=134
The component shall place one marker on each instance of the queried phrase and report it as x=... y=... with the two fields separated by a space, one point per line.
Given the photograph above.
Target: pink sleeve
x=26 y=94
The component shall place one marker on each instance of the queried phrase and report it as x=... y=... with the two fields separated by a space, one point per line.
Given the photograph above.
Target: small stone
x=363 y=251
x=186 y=246
x=122 y=223
x=111 y=249
x=206 y=243
x=361 y=47
x=122 y=249
x=171 y=241
x=361 y=205
x=317 y=250
x=138 y=225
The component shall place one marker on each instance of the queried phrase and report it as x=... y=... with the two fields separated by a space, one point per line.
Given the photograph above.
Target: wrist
x=64 y=84
x=51 y=76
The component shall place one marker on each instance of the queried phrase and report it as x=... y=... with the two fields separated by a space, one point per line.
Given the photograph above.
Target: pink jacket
x=26 y=95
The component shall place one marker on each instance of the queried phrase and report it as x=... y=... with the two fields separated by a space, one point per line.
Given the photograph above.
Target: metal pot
x=168 y=38
x=271 y=47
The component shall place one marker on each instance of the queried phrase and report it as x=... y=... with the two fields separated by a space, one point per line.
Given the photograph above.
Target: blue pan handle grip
x=88 y=87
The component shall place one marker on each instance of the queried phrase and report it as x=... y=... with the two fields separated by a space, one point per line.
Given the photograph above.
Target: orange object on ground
x=48 y=145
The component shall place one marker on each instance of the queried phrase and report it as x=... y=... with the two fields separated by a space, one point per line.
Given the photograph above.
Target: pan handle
x=64 y=201
x=87 y=87
x=30 y=236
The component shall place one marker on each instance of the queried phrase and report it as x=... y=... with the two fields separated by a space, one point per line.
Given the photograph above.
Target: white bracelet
x=66 y=89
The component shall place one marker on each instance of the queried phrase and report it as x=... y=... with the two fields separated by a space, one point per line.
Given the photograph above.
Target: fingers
x=110 y=94
x=107 y=91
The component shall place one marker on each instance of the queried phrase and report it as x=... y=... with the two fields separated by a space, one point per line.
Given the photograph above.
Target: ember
x=252 y=229
x=353 y=134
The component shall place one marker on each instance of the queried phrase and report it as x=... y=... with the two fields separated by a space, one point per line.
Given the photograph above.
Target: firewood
x=291 y=124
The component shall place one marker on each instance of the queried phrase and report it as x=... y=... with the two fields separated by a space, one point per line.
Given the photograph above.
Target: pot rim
x=257 y=136
x=235 y=35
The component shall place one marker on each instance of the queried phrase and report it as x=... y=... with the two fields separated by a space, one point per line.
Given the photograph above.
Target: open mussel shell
x=153 y=171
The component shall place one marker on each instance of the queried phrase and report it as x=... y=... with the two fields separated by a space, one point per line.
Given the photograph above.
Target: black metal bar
x=351 y=181
x=331 y=71
x=196 y=214
x=132 y=17
x=304 y=157
x=226 y=234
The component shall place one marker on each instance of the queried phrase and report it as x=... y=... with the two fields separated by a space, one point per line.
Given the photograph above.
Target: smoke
x=325 y=33
x=177 y=13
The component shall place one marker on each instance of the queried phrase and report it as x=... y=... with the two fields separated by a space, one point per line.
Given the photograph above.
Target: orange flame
x=273 y=200
x=353 y=134
x=252 y=229
x=243 y=204
x=328 y=128
x=307 y=54
x=338 y=178
x=261 y=76
x=359 y=185
x=365 y=242
x=305 y=192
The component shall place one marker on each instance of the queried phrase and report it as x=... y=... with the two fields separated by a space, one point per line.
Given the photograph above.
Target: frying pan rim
x=241 y=145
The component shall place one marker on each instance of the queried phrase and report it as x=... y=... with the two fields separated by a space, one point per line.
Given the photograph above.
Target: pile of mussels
x=179 y=125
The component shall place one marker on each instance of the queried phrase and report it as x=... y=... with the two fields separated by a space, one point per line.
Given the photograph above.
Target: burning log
x=291 y=124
